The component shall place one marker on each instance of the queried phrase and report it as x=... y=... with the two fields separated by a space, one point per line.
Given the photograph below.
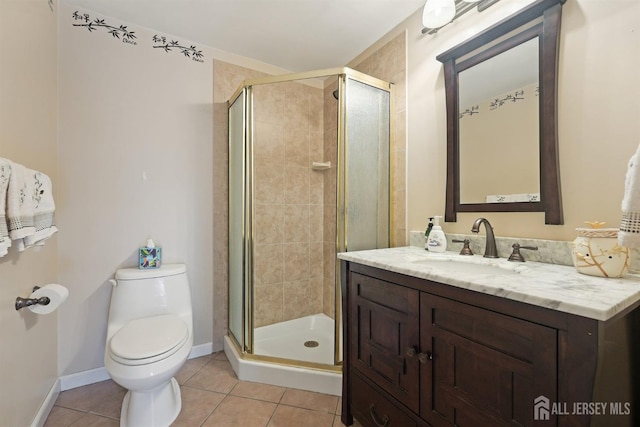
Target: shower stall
x=309 y=176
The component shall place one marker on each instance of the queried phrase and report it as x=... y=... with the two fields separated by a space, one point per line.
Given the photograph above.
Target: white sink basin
x=471 y=264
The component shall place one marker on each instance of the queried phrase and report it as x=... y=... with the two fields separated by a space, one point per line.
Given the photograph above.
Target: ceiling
x=297 y=35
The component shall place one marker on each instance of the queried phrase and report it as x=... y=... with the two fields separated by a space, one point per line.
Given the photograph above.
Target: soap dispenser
x=426 y=234
x=437 y=241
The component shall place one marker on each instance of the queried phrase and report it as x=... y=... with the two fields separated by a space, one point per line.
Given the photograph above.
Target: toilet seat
x=148 y=340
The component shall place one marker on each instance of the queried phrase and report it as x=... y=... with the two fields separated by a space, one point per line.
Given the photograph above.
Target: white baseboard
x=47 y=405
x=202 y=350
x=92 y=376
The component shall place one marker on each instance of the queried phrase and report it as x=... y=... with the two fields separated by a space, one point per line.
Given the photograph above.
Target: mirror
x=493 y=113
x=501 y=117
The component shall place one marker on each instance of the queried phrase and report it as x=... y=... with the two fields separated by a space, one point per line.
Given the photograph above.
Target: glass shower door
x=237 y=193
x=364 y=188
x=366 y=148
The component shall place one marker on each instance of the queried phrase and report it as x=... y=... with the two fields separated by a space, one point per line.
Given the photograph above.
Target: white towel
x=5 y=174
x=43 y=209
x=629 y=234
x=20 y=205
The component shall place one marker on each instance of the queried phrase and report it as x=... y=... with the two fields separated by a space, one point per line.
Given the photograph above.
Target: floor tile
x=104 y=398
x=212 y=395
x=216 y=375
x=62 y=417
x=197 y=405
x=239 y=411
x=258 y=391
x=220 y=356
x=289 y=416
x=190 y=367
x=92 y=420
x=310 y=400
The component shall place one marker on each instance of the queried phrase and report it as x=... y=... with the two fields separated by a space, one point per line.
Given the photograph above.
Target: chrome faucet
x=490 y=250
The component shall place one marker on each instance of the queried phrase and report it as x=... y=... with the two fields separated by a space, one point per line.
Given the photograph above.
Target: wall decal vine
x=188 y=52
x=470 y=111
x=495 y=103
x=512 y=97
x=117 y=32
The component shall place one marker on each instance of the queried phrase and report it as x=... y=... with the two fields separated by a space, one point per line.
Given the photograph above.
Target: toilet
x=149 y=337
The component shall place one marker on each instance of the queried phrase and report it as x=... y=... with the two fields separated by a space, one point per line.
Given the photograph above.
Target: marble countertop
x=551 y=286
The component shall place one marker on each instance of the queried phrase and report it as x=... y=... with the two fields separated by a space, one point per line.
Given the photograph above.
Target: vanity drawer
x=372 y=409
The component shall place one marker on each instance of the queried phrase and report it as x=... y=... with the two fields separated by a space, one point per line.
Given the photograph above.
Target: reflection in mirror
x=501 y=99
x=499 y=121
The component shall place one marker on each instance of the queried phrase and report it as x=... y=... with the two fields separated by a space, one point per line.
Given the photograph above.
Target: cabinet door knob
x=374 y=417
x=410 y=352
x=424 y=357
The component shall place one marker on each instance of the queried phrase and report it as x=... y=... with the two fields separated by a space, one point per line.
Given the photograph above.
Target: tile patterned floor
x=212 y=395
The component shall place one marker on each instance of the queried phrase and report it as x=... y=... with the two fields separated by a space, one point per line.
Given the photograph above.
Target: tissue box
x=150 y=257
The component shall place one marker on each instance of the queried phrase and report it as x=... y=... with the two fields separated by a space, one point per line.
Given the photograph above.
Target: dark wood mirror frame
x=548 y=31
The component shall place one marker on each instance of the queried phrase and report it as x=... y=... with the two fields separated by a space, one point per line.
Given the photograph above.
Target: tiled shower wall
x=288 y=211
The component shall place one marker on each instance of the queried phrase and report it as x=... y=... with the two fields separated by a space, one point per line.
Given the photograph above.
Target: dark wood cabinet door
x=486 y=368
x=384 y=336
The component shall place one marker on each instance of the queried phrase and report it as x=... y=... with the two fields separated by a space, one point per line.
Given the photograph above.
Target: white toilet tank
x=143 y=293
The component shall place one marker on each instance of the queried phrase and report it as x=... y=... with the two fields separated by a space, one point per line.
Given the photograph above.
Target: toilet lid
x=149 y=337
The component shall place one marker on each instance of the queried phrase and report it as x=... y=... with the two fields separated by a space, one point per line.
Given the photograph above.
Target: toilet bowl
x=149 y=337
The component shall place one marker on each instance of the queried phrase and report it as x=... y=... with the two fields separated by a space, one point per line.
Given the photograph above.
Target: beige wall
x=28 y=98
x=136 y=161
x=597 y=118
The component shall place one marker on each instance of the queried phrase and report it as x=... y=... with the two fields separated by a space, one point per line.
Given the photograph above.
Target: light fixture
x=437 y=13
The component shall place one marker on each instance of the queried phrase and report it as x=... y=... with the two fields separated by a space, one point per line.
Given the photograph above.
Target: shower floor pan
x=286 y=340
x=308 y=339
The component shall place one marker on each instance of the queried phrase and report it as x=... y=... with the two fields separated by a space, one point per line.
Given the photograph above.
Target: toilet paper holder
x=27 y=302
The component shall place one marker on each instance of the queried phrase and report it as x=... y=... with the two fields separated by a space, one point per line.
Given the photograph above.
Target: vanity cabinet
x=422 y=353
